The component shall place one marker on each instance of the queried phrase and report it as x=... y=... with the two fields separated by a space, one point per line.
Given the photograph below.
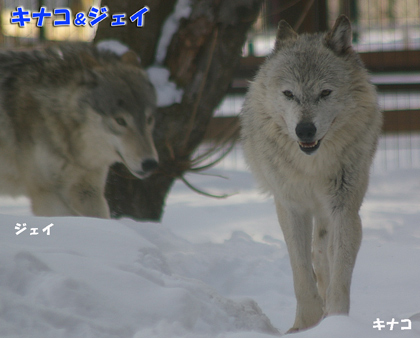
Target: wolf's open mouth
x=139 y=174
x=309 y=147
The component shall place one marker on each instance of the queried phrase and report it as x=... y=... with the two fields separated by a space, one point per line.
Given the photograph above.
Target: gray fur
x=318 y=177
x=66 y=114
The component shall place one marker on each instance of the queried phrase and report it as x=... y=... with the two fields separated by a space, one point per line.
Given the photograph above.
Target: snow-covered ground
x=212 y=269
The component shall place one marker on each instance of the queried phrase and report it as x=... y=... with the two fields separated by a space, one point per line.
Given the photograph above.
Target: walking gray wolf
x=66 y=114
x=310 y=125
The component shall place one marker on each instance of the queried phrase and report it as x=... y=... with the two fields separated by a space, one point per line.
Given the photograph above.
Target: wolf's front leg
x=48 y=203
x=345 y=243
x=89 y=202
x=297 y=230
x=85 y=195
x=320 y=251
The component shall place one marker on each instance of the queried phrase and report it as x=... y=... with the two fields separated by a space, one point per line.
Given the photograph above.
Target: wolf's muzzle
x=149 y=165
x=306 y=132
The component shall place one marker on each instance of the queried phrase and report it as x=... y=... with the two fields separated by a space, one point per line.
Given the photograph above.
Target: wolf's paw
x=293 y=330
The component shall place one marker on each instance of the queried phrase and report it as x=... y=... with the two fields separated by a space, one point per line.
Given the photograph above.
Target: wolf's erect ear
x=284 y=32
x=340 y=36
x=131 y=58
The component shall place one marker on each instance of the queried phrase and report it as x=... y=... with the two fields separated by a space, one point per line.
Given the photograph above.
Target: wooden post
x=201 y=57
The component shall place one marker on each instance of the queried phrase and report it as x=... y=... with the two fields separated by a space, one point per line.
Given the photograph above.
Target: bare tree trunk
x=202 y=57
x=142 y=40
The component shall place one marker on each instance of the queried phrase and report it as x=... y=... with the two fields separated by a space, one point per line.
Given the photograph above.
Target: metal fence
x=387 y=34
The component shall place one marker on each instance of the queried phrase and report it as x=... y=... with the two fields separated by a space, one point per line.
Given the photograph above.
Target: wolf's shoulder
x=71 y=55
x=55 y=64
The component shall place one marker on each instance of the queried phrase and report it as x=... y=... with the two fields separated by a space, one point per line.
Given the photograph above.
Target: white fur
x=317 y=196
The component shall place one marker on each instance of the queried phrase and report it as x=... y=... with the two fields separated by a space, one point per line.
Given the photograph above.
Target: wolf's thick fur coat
x=66 y=114
x=310 y=125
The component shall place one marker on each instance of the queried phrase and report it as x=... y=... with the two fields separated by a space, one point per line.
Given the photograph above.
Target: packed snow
x=182 y=10
x=115 y=46
x=212 y=269
x=166 y=90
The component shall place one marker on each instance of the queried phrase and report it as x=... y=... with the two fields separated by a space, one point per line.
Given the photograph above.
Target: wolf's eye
x=288 y=94
x=325 y=93
x=121 y=121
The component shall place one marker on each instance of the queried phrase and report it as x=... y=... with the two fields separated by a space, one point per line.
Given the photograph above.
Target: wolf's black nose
x=149 y=165
x=305 y=131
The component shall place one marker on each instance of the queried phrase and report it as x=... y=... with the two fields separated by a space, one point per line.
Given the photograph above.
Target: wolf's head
x=122 y=102
x=313 y=82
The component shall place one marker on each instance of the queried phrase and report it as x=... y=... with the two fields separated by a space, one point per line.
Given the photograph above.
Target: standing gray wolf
x=310 y=125
x=66 y=114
